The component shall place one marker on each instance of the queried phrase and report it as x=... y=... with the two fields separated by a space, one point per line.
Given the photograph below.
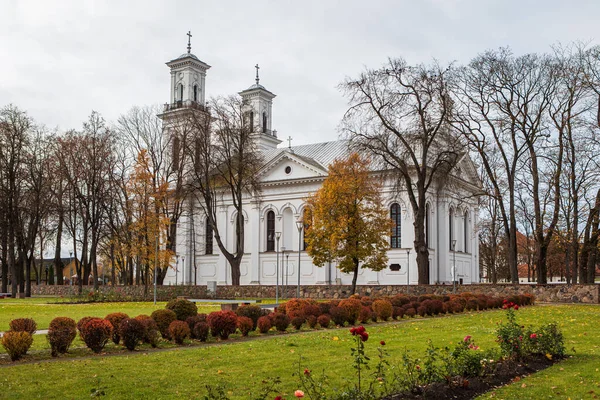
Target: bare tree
x=399 y=114
x=224 y=166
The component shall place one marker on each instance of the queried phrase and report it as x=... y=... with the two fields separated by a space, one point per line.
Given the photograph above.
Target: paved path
x=38 y=332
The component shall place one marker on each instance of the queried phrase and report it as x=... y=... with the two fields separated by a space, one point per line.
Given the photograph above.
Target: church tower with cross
x=258 y=104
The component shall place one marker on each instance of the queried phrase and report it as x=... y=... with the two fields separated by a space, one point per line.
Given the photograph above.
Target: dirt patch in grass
x=469 y=388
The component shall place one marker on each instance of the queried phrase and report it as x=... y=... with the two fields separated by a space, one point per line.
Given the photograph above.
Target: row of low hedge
x=180 y=320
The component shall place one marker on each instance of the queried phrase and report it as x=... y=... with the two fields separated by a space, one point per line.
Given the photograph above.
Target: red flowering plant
x=360 y=358
x=510 y=334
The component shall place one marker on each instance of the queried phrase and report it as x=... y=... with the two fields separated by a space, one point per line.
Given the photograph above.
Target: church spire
x=189 y=47
x=257 y=68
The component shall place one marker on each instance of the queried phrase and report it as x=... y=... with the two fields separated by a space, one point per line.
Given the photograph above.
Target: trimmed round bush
x=398 y=312
x=179 y=331
x=201 y=331
x=222 y=323
x=245 y=325
x=422 y=311
x=339 y=315
x=264 y=324
x=192 y=321
x=400 y=300
x=324 y=321
x=96 y=333
x=410 y=312
x=352 y=307
x=383 y=308
x=311 y=320
x=163 y=319
x=297 y=322
x=251 y=311
x=81 y=323
x=16 y=343
x=151 y=333
x=182 y=308
x=115 y=319
x=324 y=308
x=132 y=331
x=61 y=332
x=365 y=315
x=297 y=307
x=23 y=325
x=280 y=321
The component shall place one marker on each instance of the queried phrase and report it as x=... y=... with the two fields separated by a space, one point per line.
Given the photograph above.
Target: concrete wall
x=543 y=293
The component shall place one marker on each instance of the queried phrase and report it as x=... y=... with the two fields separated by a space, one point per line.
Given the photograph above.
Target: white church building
x=274 y=247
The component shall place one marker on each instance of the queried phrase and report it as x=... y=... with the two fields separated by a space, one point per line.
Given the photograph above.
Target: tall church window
x=208 y=241
x=466 y=231
x=306 y=223
x=451 y=227
x=180 y=92
x=270 y=231
x=396 y=216
x=264 y=127
x=427 y=211
x=251 y=121
x=196 y=93
x=176 y=146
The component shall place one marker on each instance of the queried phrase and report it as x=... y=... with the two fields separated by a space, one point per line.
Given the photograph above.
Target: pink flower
x=299 y=393
x=533 y=336
x=467 y=338
x=516 y=307
x=278 y=398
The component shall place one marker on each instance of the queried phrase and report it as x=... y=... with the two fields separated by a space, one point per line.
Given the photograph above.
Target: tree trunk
x=58 y=264
x=355 y=275
x=4 y=258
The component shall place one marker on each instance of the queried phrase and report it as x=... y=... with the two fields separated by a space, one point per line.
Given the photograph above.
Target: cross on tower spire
x=189 y=47
x=257 y=68
x=289 y=139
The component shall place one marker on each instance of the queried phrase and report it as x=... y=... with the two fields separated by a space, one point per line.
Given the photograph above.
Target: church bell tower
x=258 y=108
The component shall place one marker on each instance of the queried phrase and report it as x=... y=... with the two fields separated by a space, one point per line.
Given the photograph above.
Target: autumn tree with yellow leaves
x=347 y=221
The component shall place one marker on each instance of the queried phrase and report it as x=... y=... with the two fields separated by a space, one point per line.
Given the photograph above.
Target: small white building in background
x=288 y=176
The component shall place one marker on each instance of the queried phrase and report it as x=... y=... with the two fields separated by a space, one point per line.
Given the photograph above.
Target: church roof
x=320 y=155
x=184 y=55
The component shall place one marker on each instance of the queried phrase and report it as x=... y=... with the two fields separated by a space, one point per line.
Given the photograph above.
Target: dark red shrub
x=295 y=307
x=398 y=312
x=366 y=301
x=264 y=324
x=222 y=323
x=410 y=312
x=245 y=325
x=383 y=308
x=182 y=308
x=422 y=311
x=132 y=331
x=339 y=315
x=282 y=308
x=16 y=343
x=151 y=332
x=192 y=321
x=179 y=331
x=96 y=333
x=81 y=323
x=471 y=304
x=297 y=322
x=352 y=306
x=163 y=319
x=400 y=300
x=280 y=321
x=324 y=308
x=324 y=321
x=201 y=331
x=115 y=320
x=311 y=320
x=365 y=315
x=251 y=311
x=61 y=332
x=23 y=325
x=312 y=309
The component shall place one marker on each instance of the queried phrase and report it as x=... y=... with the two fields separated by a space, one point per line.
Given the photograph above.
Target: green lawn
x=241 y=366
x=44 y=309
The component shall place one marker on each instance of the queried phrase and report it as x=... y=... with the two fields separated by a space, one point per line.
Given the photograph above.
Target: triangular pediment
x=287 y=166
x=465 y=169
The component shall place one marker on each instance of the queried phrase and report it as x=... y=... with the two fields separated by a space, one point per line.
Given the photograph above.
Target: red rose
x=382 y=343
x=364 y=336
x=306 y=372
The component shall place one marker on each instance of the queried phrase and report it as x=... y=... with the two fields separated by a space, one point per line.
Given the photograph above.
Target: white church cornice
x=286 y=155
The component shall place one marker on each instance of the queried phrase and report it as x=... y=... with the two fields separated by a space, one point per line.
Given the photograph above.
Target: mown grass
x=241 y=366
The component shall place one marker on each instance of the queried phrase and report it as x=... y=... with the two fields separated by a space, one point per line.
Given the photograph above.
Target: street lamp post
x=407 y=269
x=176 y=268
x=155 y=266
x=287 y=269
x=282 y=274
x=183 y=271
x=299 y=225
x=277 y=237
x=454 y=266
x=71 y=262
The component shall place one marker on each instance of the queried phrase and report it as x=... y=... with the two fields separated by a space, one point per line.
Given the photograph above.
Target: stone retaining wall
x=544 y=293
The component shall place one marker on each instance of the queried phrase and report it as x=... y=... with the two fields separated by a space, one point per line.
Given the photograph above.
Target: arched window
x=208 y=241
x=396 y=215
x=451 y=228
x=180 y=92
x=251 y=121
x=264 y=127
x=306 y=222
x=270 y=231
x=466 y=232
x=195 y=93
x=427 y=211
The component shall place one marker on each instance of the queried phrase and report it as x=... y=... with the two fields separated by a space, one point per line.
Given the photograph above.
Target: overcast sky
x=62 y=59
